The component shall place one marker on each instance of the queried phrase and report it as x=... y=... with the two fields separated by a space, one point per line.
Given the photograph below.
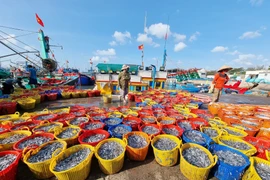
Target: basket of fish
x=9 y=161
x=38 y=160
x=8 y=139
x=119 y=130
x=92 y=125
x=231 y=163
x=259 y=169
x=133 y=122
x=110 y=154
x=137 y=145
x=33 y=141
x=78 y=121
x=68 y=134
x=93 y=137
x=238 y=144
x=165 y=121
x=44 y=117
x=196 y=161
x=27 y=103
x=73 y=163
x=28 y=125
x=172 y=130
x=150 y=129
x=197 y=137
x=166 y=149
x=8 y=117
x=185 y=125
x=47 y=127
x=235 y=132
x=98 y=117
x=110 y=122
x=212 y=132
x=149 y=119
x=63 y=118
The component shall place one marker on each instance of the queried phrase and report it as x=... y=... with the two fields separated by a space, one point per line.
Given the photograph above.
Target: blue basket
x=120 y=136
x=207 y=138
x=224 y=171
x=107 y=126
x=197 y=102
x=141 y=104
x=155 y=106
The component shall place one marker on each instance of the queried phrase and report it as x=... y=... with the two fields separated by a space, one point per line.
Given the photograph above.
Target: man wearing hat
x=123 y=82
x=220 y=79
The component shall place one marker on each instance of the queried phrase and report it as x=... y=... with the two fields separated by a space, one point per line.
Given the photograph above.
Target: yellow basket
x=135 y=109
x=130 y=113
x=249 y=152
x=9 y=116
x=27 y=103
x=166 y=158
x=79 y=172
x=237 y=130
x=12 y=121
x=61 y=111
x=165 y=119
x=192 y=106
x=217 y=123
x=32 y=114
x=66 y=95
x=51 y=130
x=189 y=115
x=193 y=172
x=75 y=94
x=107 y=99
x=111 y=166
x=115 y=114
x=37 y=98
x=83 y=94
x=215 y=128
x=41 y=170
x=70 y=141
x=4 y=147
x=251 y=172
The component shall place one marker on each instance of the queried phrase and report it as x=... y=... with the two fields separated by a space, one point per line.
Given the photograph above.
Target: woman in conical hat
x=123 y=82
x=220 y=79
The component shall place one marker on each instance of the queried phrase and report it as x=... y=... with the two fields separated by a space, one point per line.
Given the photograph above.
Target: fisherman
x=123 y=82
x=19 y=82
x=7 y=86
x=32 y=76
x=220 y=79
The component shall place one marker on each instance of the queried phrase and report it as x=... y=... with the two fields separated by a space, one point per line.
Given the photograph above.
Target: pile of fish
x=120 y=130
x=150 y=130
x=148 y=120
x=18 y=121
x=244 y=127
x=198 y=122
x=12 y=139
x=250 y=123
x=230 y=158
x=110 y=150
x=6 y=161
x=196 y=157
x=263 y=170
x=72 y=160
x=79 y=113
x=136 y=141
x=164 y=144
x=131 y=122
x=233 y=132
x=44 y=117
x=112 y=121
x=33 y=141
x=4 y=118
x=165 y=122
x=185 y=125
x=47 y=128
x=98 y=118
x=68 y=133
x=94 y=138
x=195 y=137
x=236 y=144
x=79 y=120
x=92 y=126
x=216 y=123
x=210 y=132
x=171 y=131
x=2 y=129
x=45 y=152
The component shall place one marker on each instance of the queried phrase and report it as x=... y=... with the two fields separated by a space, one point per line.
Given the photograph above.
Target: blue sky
x=202 y=33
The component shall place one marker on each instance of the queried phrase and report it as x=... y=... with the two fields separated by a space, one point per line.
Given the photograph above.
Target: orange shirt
x=219 y=80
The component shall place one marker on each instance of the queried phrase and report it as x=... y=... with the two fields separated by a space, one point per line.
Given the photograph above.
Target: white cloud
x=180 y=46
x=256 y=2
x=194 y=36
x=179 y=37
x=219 y=49
x=95 y=58
x=8 y=39
x=250 y=59
x=121 y=37
x=234 y=52
x=159 y=30
x=109 y=52
x=144 y=38
x=250 y=35
x=112 y=43
x=101 y=58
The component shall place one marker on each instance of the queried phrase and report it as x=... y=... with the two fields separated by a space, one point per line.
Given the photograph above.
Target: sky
x=200 y=33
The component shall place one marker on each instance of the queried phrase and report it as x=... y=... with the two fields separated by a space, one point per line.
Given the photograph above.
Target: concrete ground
x=148 y=169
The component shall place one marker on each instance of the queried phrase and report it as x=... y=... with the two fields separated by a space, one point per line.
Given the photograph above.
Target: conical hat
x=225 y=67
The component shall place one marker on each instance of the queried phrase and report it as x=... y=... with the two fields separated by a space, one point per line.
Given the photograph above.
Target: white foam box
x=144 y=73
x=102 y=77
x=161 y=74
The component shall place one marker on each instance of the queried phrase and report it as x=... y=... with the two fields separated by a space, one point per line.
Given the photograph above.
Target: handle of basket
x=151 y=137
x=267 y=154
x=223 y=131
x=17 y=113
x=39 y=132
x=25 y=151
x=250 y=152
x=125 y=141
x=215 y=157
x=239 y=127
x=56 y=152
x=25 y=128
x=217 y=118
x=45 y=122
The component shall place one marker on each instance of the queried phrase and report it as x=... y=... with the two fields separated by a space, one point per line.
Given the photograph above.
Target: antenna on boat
x=145 y=31
x=162 y=67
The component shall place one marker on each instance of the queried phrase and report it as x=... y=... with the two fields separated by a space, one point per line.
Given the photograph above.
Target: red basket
x=138 y=99
x=153 y=125
x=97 y=92
x=10 y=172
x=191 y=123
x=5 y=127
x=98 y=117
x=123 y=108
x=260 y=144
x=177 y=116
x=28 y=125
x=51 y=96
x=76 y=108
x=134 y=126
x=35 y=118
x=63 y=118
x=8 y=108
x=131 y=97
x=16 y=145
x=91 y=93
x=145 y=113
x=42 y=97
x=180 y=130
x=82 y=126
x=80 y=113
x=89 y=133
x=198 y=122
x=143 y=122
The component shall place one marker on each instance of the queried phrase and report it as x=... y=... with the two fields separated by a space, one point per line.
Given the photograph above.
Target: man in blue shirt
x=32 y=75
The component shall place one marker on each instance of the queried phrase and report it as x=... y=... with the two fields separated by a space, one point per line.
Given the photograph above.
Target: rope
x=18 y=29
x=17 y=36
x=13 y=43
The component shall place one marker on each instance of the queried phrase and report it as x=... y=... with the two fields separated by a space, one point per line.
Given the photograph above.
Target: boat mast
x=144 y=30
x=162 y=67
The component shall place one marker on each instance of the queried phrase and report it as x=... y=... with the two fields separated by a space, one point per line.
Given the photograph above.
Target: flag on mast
x=140 y=47
x=40 y=22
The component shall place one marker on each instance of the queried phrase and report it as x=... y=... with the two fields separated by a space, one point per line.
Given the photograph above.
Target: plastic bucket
x=153 y=125
x=80 y=171
x=90 y=133
x=237 y=130
x=98 y=117
x=251 y=172
x=193 y=172
x=164 y=119
x=215 y=128
x=180 y=130
x=145 y=121
x=170 y=157
x=198 y=122
x=105 y=121
x=207 y=138
x=137 y=154
x=82 y=126
x=225 y=171
x=111 y=166
x=41 y=170
x=260 y=144
x=70 y=141
x=10 y=172
x=133 y=122
x=51 y=130
x=113 y=134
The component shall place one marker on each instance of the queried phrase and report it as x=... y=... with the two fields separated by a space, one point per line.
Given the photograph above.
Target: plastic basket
x=41 y=170
x=180 y=130
x=9 y=116
x=153 y=125
x=51 y=130
x=8 y=108
x=38 y=117
x=207 y=138
x=243 y=133
x=97 y=117
x=75 y=94
x=51 y=96
x=70 y=141
x=61 y=111
x=251 y=172
x=90 y=133
x=66 y=95
x=133 y=122
x=27 y=103
x=215 y=128
x=81 y=171
x=260 y=144
x=166 y=158
x=120 y=136
x=10 y=172
x=119 y=121
x=32 y=114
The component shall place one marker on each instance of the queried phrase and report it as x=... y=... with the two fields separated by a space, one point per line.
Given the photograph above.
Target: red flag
x=140 y=47
x=39 y=21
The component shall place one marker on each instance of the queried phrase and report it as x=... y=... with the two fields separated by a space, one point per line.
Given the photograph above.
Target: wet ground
x=147 y=169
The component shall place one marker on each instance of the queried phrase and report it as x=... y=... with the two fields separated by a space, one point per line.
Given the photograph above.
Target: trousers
x=216 y=95
x=123 y=92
